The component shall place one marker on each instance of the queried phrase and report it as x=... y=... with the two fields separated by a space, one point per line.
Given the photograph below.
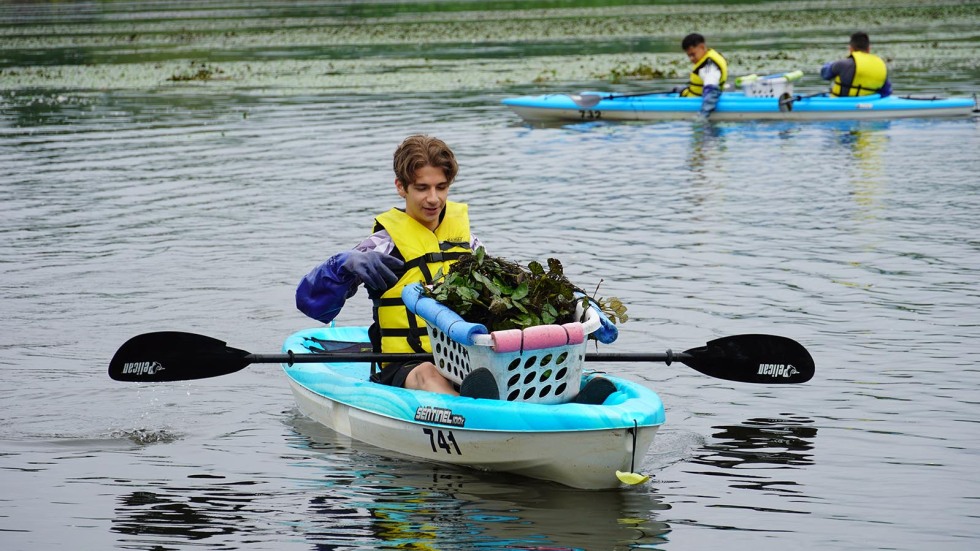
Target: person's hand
x=375 y=269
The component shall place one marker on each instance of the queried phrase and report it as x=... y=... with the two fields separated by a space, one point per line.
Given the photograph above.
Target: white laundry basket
x=541 y=364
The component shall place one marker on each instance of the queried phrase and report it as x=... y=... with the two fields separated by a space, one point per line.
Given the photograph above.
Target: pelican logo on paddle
x=777 y=370
x=142 y=368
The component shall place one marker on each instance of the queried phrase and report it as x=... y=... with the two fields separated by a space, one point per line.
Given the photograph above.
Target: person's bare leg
x=425 y=376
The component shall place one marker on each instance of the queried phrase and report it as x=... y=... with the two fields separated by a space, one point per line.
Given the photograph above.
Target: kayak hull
x=577 y=445
x=733 y=106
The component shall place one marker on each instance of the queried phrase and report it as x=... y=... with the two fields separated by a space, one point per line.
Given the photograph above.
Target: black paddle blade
x=174 y=356
x=767 y=359
x=786 y=102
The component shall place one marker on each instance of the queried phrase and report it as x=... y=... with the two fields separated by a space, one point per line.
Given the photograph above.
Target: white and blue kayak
x=577 y=445
x=590 y=446
x=732 y=106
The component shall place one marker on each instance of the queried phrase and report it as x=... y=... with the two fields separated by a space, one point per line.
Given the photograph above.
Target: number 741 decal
x=440 y=439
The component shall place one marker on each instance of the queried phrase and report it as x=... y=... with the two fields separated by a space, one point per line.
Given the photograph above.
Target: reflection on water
x=395 y=503
x=707 y=140
x=176 y=515
x=866 y=141
x=737 y=449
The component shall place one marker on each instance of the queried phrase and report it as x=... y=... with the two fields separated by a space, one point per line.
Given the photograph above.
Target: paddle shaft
x=786 y=102
x=331 y=357
x=591 y=100
x=639 y=94
x=799 y=97
x=179 y=356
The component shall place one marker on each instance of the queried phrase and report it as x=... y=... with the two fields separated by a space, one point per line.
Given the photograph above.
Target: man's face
x=425 y=199
x=695 y=53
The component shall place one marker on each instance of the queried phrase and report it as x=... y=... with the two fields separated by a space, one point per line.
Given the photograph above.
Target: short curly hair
x=418 y=151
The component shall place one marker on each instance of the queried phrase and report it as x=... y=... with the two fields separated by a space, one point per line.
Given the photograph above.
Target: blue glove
x=709 y=100
x=886 y=89
x=375 y=269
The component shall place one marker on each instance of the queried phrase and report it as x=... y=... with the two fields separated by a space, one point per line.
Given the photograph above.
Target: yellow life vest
x=696 y=86
x=424 y=252
x=870 y=74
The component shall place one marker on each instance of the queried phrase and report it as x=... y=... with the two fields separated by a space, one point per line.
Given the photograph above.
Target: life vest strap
x=433 y=257
x=413 y=334
x=446 y=245
x=422 y=262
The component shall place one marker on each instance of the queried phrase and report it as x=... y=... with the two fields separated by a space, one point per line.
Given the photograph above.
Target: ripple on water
x=144 y=437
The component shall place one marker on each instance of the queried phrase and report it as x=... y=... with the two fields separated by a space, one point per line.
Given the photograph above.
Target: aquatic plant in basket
x=501 y=294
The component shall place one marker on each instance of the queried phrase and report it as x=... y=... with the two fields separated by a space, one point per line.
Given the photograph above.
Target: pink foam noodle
x=508 y=340
x=544 y=336
x=576 y=333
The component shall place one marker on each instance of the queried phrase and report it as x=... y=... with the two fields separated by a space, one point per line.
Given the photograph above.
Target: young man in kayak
x=430 y=230
x=410 y=245
x=861 y=73
x=708 y=76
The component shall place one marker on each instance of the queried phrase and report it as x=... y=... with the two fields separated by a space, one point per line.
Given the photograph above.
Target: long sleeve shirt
x=846 y=68
x=322 y=293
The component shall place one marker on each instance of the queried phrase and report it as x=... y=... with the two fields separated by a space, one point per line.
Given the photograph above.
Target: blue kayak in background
x=732 y=106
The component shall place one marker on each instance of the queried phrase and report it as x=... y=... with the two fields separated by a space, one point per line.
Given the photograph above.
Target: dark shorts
x=394 y=374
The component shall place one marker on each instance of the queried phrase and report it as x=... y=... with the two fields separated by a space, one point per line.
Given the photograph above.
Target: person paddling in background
x=860 y=74
x=708 y=76
x=409 y=245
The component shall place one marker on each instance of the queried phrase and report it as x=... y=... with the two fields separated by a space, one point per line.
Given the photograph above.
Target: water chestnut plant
x=501 y=294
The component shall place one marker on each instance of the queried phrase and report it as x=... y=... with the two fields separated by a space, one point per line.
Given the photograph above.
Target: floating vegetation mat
x=378 y=47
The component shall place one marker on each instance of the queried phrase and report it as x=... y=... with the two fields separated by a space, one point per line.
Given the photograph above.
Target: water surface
x=133 y=201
